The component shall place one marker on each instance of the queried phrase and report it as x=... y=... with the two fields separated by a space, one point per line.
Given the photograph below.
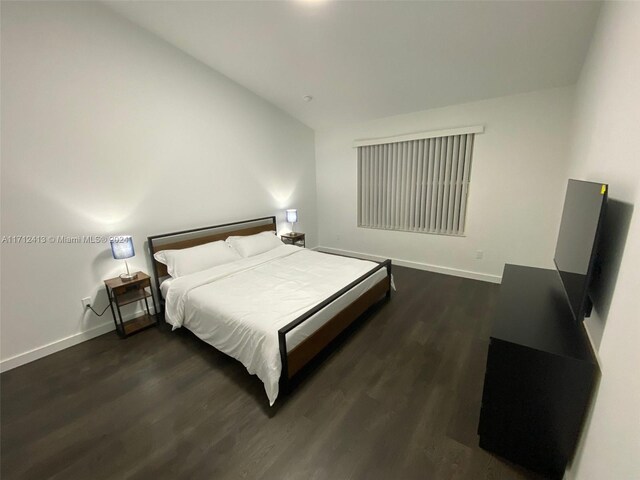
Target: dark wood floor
x=397 y=398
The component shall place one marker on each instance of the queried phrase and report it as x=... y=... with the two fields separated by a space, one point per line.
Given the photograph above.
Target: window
x=415 y=184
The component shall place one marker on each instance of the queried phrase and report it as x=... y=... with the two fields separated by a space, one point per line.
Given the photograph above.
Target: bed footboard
x=298 y=357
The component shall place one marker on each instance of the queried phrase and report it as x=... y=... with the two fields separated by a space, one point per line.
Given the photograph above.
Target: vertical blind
x=416 y=185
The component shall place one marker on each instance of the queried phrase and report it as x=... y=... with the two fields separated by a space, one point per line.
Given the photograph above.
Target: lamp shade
x=292 y=215
x=122 y=247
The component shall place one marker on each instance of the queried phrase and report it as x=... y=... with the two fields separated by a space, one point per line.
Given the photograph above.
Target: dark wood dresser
x=540 y=374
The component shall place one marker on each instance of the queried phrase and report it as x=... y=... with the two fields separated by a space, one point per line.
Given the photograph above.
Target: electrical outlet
x=86 y=302
x=479 y=254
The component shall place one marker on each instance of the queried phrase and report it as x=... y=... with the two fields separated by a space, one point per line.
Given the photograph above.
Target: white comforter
x=239 y=307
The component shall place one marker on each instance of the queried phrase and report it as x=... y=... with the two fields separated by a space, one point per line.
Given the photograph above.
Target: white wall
x=518 y=181
x=606 y=148
x=106 y=130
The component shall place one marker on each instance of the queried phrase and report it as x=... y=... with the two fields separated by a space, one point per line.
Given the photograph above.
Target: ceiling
x=365 y=60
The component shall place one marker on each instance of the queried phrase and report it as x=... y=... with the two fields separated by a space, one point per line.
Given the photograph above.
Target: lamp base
x=127 y=277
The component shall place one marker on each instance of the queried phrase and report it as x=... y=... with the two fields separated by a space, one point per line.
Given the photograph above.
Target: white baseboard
x=53 y=347
x=485 y=277
x=39 y=352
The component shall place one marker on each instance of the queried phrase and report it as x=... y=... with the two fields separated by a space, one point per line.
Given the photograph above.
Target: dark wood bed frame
x=294 y=360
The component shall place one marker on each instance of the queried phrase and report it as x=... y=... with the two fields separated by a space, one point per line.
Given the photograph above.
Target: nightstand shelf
x=122 y=292
x=139 y=323
x=294 y=238
x=133 y=296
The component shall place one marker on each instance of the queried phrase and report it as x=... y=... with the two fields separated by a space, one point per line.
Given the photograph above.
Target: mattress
x=239 y=307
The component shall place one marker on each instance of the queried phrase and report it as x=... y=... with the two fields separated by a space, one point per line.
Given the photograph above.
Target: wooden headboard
x=200 y=236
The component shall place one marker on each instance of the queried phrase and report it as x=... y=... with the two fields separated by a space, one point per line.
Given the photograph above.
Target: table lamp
x=122 y=248
x=292 y=217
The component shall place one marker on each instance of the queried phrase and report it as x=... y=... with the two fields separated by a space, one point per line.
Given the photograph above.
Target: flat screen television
x=576 y=249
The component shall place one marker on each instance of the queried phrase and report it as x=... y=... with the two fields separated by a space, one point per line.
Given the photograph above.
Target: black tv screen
x=582 y=215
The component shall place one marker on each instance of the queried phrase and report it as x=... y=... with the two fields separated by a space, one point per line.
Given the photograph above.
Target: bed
x=273 y=311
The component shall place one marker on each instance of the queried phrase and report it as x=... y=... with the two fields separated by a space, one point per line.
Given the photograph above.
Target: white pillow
x=195 y=259
x=251 y=245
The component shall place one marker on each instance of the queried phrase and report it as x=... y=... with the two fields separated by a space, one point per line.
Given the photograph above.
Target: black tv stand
x=540 y=374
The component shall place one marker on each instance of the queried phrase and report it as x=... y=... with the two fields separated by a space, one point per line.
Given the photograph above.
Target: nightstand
x=293 y=238
x=122 y=292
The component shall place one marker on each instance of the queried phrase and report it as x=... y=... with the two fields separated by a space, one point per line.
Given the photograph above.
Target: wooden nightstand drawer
x=133 y=288
x=294 y=238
